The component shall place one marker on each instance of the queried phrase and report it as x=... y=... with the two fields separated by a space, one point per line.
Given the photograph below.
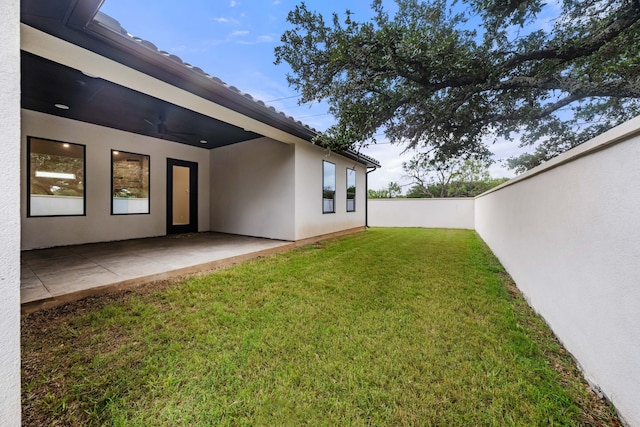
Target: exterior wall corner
x=10 y=214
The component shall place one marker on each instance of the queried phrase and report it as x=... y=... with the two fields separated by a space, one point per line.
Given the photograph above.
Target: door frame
x=192 y=227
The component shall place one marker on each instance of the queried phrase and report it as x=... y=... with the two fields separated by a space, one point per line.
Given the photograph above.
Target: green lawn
x=387 y=327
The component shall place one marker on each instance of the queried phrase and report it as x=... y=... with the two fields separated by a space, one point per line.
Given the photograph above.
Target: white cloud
x=391 y=158
x=225 y=20
x=260 y=39
x=276 y=2
x=239 y=33
x=233 y=3
x=503 y=149
x=239 y=37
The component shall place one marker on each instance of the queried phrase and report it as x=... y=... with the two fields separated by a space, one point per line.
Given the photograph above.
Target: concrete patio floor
x=56 y=275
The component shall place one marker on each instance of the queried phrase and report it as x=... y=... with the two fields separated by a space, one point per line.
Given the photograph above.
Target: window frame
x=354 y=193
x=84 y=177
x=324 y=211
x=148 y=212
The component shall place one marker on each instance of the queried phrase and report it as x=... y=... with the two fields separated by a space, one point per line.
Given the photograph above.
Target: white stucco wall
x=10 y=214
x=427 y=213
x=310 y=221
x=252 y=189
x=98 y=224
x=570 y=238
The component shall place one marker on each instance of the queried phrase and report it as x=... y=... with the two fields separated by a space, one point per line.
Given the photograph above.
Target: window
x=55 y=178
x=129 y=183
x=351 y=190
x=328 y=187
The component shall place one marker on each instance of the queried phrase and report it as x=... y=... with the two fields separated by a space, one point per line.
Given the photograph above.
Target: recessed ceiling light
x=61 y=106
x=65 y=145
x=202 y=141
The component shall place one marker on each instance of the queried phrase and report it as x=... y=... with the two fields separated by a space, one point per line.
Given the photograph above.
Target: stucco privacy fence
x=568 y=232
x=425 y=213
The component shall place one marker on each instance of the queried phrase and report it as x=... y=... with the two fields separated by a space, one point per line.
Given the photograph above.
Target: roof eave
x=196 y=81
x=85 y=26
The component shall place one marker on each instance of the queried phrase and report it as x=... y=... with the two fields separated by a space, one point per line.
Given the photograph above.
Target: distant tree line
x=429 y=178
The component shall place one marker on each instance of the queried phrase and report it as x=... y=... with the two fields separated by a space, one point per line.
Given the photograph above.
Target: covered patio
x=56 y=275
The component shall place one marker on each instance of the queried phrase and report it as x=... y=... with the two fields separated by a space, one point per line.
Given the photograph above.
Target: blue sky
x=234 y=40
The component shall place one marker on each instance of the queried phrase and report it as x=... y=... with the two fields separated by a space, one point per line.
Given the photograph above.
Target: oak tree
x=449 y=177
x=449 y=77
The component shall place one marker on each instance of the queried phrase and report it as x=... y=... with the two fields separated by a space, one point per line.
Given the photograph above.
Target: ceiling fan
x=163 y=130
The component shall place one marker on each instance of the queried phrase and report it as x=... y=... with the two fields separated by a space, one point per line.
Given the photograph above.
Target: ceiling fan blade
x=162 y=130
x=173 y=132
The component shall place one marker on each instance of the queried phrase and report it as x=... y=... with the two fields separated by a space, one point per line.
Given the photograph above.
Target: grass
x=388 y=327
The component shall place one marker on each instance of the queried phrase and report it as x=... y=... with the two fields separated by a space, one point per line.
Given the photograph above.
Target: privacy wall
x=427 y=213
x=10 y=214
x=569 y=234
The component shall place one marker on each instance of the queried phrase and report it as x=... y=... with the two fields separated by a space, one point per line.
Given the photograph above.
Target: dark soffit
x=94 y=100
x=73 y=21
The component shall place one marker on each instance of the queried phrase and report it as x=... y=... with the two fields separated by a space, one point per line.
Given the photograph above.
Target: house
x=105 y=138
x=121 y=140
x=567 y=232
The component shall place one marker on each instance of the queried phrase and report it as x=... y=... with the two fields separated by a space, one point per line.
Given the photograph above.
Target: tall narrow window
x=351 y=190
x=328 y=187
x=55 y=178
x=129 y=183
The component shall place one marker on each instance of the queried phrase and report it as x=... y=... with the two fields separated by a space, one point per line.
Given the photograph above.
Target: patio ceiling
x=46 y=84
x=102 y=101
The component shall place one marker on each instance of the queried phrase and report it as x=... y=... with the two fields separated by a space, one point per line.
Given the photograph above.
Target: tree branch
x=625 y=19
